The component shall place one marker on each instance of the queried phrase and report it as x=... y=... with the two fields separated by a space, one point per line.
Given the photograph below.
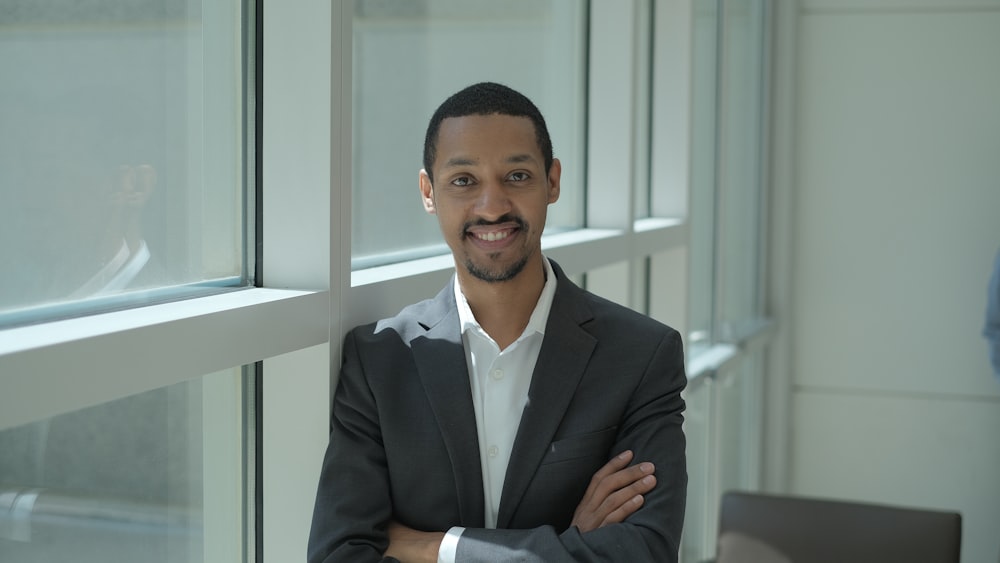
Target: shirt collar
x=536 y=323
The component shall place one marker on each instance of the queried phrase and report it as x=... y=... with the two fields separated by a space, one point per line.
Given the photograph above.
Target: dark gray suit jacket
x=403 y=442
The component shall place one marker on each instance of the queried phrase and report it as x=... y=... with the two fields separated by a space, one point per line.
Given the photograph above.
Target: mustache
x=521 y=224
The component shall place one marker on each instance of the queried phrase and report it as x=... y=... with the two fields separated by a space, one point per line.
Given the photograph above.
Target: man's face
x=490 y=193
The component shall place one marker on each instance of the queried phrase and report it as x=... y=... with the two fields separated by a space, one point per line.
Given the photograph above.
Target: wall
x=895 y=219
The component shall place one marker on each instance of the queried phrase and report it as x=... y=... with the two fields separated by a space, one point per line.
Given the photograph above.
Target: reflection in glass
x=120 y=148
x=135 y=479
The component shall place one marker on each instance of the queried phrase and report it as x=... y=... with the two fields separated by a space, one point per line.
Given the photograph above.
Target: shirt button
x=497 y=374
x=493 y=451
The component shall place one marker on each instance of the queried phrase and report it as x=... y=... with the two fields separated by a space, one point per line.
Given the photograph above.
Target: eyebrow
x=465 y=161
x=518 y=158
x=459 y=161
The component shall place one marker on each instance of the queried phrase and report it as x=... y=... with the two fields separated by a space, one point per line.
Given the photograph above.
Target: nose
x=493 y=201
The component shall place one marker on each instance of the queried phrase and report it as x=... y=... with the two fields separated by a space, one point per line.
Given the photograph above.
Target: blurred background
x=808 y=189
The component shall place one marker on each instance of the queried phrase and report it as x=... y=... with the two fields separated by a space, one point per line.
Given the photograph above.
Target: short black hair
x=486 y=98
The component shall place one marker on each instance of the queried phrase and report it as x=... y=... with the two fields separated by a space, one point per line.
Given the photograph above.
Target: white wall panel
x=908 y=451
x=894 y=224
x=899 y=187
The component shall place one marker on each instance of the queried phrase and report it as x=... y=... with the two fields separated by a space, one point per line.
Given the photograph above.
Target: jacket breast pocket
x=591 y=444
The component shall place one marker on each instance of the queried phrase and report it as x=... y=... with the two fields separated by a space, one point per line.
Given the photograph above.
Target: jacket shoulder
x=610 y=318
x=412 y=321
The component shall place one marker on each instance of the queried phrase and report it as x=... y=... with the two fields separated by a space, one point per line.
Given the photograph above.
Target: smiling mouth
x=492 y=236
x=494 y=231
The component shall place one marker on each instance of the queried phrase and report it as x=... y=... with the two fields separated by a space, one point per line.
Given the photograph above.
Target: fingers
x=622 y=491
x=615 y=475
x=624 y=511
x=622 y=478
x=617 y=463
x=615 y=492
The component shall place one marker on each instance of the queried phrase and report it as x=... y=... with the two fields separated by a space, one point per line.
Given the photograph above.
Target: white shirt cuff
x=449 y=545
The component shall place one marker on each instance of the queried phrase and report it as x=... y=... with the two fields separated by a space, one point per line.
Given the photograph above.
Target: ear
x=427 y=192
x=555 y=172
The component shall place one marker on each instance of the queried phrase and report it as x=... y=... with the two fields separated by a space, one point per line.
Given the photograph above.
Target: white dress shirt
x=500 y=380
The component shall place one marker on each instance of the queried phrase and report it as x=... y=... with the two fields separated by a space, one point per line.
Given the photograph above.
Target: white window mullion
x=306 y=187
x=611 y=112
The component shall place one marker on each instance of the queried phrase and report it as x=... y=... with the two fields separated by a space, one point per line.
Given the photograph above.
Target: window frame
x=307 y=295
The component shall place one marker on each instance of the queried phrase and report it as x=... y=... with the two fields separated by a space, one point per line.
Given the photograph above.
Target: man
x=514 y=417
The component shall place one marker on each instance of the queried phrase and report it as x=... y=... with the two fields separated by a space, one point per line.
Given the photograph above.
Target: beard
x=498 y=274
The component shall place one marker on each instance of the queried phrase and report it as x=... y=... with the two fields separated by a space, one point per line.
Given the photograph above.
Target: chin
x=494 y=273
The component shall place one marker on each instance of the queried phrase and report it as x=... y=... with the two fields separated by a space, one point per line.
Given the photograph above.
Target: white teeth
x=493 y=236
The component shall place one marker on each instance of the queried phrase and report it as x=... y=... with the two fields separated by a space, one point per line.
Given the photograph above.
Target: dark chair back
x=809 y=530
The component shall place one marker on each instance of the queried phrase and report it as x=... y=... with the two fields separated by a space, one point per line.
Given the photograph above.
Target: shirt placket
x=496 y=396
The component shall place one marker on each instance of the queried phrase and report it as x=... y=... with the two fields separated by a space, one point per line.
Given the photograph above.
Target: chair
x=759 y=528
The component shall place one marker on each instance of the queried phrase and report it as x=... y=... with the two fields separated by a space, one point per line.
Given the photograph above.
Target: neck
x=504 y=308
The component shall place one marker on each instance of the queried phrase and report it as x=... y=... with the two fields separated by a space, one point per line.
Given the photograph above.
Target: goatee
x=489 y=275
x=493 y=276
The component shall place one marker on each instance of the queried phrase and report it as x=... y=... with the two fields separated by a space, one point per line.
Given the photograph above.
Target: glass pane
x=643 y=111
x=411 y=55
x=121 y=147
x=741 y=106
x=739 y=419
x=668 y=287
x=155 y=477
x=610 y=282
x=703 y=179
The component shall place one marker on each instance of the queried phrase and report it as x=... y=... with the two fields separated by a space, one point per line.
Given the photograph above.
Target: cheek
x=538 y=210
x=449 y=219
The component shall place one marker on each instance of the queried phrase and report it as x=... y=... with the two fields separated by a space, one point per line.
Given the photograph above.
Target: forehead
x=485 y=136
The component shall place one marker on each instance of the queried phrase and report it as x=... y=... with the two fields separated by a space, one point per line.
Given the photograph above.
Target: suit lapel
x=562 y=360
x=440 y=359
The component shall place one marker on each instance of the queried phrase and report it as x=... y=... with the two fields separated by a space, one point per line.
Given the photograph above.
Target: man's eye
x=518 y=176
x=462 y=181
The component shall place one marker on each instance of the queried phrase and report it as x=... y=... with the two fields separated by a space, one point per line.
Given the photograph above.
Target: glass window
x=703 y=175
x=156 y=477
x=121 y=149
x=728 y=95
x=741 y=100
x=644 y=37
x=411 y=55
x=668 y=289
x=727 y=172
x=738 y=392
x=610 y=282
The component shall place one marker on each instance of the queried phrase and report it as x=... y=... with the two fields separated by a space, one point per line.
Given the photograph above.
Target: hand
x=412 y=546
x=615 y=492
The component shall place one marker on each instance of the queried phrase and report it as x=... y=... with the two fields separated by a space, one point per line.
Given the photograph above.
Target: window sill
x=708 y=362
x=125 y=352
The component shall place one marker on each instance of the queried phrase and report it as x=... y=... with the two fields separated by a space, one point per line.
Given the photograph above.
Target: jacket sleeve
x=652 y=429
x=353 y=505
